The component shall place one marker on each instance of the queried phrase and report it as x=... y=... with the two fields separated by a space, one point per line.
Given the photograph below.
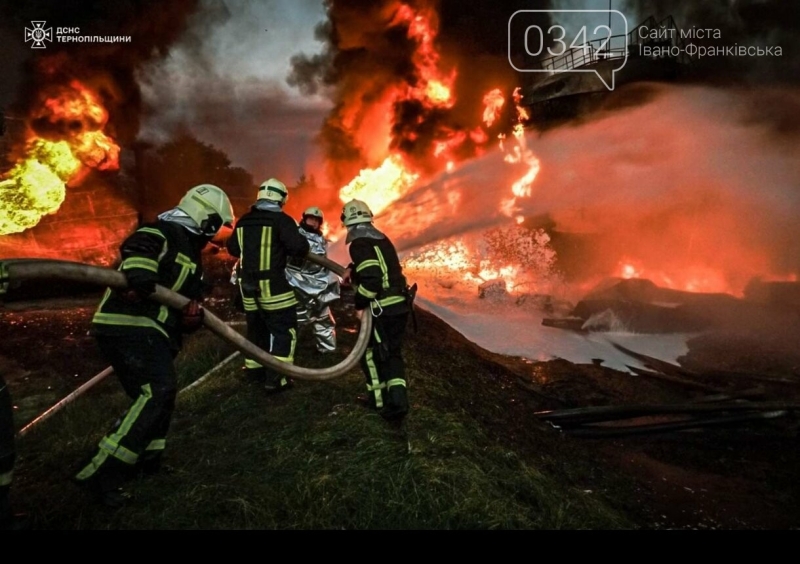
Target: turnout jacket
x=163 y=253
x=377 y=272
x=263 y=240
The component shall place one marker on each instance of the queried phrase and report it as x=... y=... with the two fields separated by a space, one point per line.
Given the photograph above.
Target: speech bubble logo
x=587 y=48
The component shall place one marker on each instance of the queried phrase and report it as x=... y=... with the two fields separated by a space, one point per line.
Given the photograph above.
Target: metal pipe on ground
x=67 y=399
x=210 y=372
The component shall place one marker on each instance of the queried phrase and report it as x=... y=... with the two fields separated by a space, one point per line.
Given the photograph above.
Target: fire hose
x=19 y=270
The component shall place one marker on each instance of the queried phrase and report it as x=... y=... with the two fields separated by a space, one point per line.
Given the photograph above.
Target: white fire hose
x=14 y=272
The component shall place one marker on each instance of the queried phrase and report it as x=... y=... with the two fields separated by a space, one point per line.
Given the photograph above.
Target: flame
x=521 y=259
x=436 y=87
x=457 y=258
x=690 y=278
x=381 y=186
x=520 y=153
x=36 y=185
x=493 y=102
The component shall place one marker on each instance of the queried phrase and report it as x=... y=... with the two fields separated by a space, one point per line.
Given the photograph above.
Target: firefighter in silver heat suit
x=315 y=287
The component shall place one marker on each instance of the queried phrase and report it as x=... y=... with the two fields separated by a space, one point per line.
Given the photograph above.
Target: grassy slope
x=471 y=455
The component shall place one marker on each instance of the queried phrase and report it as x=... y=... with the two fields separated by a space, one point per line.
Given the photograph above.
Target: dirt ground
x=740 y=476
x=735 y=476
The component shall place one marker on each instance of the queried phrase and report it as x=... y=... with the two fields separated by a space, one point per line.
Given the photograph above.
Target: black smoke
x=107 y=68
x=367 y=53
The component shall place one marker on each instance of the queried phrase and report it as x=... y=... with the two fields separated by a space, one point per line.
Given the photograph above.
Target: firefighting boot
x=150 y=465
x=10 y=521
x=255 y=376
x=105 y=485
x=366 y=400
x=277 y=383
x=395 y=404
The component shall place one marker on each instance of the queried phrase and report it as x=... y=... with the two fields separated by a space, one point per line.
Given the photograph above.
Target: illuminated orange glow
x=456 y=258
x=521 y=259
x=493 y=102
x=36 y=185
x=438 y=93
x=381 y=186
x=629 y=271
x=478 y=136
x=519 y=153
x=96 y=150
x=690 y=278
x=436 y=87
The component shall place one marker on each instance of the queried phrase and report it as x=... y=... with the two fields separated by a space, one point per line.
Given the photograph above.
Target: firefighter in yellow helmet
x=383 y=293
x=315 y=286
x=263 y=240
x=140 y=337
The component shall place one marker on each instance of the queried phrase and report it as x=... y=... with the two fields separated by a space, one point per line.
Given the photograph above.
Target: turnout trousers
x=384 y=367
x=274 y=331
x=143 y=363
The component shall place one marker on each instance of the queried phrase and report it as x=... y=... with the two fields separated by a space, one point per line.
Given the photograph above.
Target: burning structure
x=428 y=123
x=63 y=193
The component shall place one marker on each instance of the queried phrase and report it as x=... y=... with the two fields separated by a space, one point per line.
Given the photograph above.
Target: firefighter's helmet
x=273 y=190
x=313 y=211
x=209 y=207
x=356 y=211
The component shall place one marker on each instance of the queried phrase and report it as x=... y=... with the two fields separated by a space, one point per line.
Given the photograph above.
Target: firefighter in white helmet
x=316 y=287
x=140 y=338
x=263 y=239
x=383 y=293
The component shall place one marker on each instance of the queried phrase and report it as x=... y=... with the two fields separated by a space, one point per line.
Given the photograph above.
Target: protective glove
x=192 y=318
x=138 y=289
x=347 y=276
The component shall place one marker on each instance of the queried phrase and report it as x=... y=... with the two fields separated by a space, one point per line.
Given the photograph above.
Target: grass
x=313 y=459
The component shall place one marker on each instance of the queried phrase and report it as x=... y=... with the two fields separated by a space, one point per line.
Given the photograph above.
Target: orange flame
x=691 y=278
x=523 y=260
x=36 y=185
x=436 y=86
x=493 y=102
x=381 y=186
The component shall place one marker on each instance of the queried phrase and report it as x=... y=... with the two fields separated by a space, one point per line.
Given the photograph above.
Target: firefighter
x=383 y=293
x=140 y=338
x=263 y=239
x=315 y=286
x=8 y=520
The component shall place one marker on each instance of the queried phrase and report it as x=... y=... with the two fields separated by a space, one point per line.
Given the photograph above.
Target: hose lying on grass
x=14 y=272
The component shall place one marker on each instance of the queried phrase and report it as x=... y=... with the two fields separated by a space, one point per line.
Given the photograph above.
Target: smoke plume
x=684 y=190
x=379 y=56
x=107 y=68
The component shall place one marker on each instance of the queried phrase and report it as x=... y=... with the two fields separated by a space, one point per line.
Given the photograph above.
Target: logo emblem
x=38 y=35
